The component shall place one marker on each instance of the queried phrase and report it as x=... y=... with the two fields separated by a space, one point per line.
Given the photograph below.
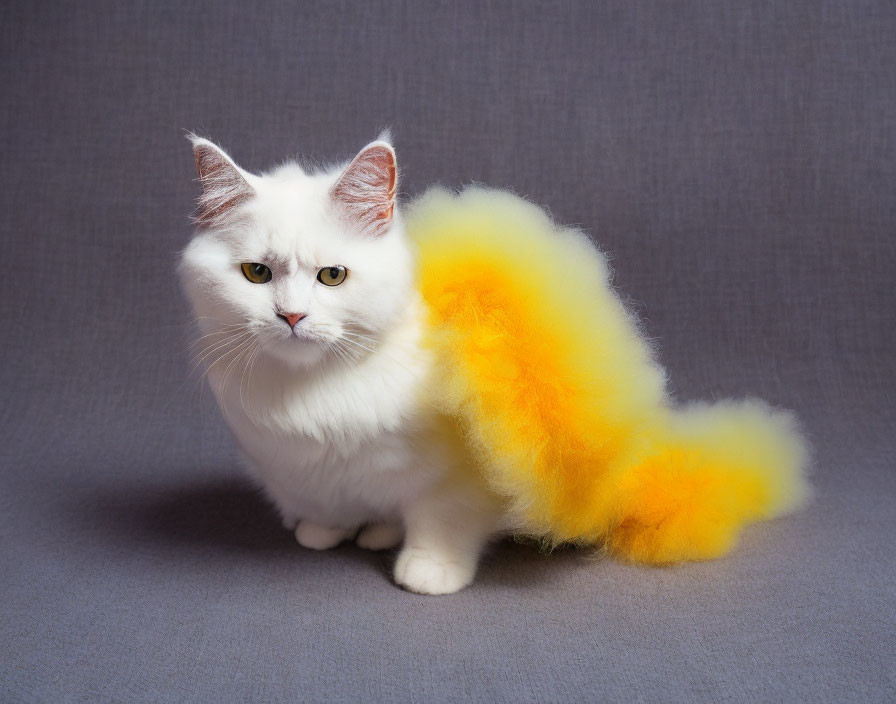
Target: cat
x=314 y=331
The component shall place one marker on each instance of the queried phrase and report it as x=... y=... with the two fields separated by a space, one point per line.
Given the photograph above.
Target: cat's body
x=319 y=357
x=347 y=440
x=344 y=431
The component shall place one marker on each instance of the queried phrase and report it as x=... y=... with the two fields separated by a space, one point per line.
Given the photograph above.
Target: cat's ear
x=365 y=191
x=224 y=184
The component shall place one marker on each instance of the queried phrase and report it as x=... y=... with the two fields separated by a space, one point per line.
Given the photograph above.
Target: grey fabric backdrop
x=737 y=158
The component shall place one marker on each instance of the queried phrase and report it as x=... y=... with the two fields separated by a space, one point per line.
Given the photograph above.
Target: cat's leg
x=317 y=537
x=445 y=536
x=380 y=536
x=288 y=519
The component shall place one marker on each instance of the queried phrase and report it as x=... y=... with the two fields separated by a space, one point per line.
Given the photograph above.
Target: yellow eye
x=332 y=275
x=256 y=273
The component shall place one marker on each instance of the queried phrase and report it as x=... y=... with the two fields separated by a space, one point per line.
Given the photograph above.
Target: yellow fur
x=561 y=403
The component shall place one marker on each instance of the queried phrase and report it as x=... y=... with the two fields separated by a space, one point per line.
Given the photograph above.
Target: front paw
x=317 y=537
x=426 y=572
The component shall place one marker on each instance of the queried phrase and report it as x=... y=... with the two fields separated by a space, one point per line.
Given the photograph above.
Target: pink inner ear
x=223 y=188
x=366 y=190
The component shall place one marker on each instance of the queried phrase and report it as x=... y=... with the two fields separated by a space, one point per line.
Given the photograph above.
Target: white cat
x=303 y=286
x=518 y=397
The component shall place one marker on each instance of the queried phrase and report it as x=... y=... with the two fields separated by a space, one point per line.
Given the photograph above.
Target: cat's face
x=305 y=266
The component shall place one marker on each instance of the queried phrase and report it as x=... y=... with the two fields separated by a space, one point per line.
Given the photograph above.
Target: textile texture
x=736 y=159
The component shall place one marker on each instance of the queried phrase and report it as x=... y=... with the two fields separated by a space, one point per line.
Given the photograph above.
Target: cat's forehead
x=294 y=215
x=289 y=194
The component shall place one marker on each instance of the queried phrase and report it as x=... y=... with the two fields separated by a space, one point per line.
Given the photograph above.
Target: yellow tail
x=561 y=403
x=720 y=467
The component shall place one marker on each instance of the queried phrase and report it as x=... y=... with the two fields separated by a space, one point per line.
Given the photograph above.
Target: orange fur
x=561 y=403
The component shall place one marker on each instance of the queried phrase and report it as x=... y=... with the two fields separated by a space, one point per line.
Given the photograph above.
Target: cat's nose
x=291 y=318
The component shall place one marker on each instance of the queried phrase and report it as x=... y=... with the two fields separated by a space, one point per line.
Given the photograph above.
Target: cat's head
x=310 y=264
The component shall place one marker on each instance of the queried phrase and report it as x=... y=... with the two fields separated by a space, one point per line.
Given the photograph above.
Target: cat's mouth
x=301 y=336
x=299 y=348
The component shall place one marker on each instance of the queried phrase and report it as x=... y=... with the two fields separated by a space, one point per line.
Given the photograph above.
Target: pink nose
x=291 y=318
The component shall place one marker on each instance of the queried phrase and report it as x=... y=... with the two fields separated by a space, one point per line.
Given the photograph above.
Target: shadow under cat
x=229 y=517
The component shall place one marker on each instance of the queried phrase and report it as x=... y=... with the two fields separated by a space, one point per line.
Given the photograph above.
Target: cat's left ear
x=365 y=191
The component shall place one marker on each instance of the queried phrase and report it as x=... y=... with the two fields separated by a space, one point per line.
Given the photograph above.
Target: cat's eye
x=332 y=275
x=256 y=273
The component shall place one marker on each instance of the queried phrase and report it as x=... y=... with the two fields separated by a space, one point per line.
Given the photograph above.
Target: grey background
x=736 y=158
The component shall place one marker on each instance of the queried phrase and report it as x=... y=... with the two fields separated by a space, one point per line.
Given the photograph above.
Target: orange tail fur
x=723 y=466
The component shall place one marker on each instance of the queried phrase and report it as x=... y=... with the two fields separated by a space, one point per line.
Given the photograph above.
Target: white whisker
x=249 y=359
x=238 y=353
x=214 y=347
x=217 y=332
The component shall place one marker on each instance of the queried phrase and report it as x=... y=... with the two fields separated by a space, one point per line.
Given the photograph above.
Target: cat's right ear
x=224 y=184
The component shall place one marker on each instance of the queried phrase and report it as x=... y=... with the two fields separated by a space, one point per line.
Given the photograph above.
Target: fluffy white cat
x=303 y=286
x=503 y=402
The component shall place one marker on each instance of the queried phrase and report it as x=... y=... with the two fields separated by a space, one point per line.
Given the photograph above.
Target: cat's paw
x=426 y=572
x=317 y=537
x=380 y=536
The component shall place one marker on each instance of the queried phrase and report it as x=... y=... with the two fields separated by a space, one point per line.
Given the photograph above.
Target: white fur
x=331 y=417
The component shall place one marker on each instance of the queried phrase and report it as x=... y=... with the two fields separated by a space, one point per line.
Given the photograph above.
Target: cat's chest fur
x=338 y=440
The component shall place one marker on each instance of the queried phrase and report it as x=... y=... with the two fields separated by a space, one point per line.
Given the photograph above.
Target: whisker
x=365 y=340
x=233 y=346
x=217 y=332
x=214 y=347
x=252 y=352
x=358 y=344
x=350 y=331
x=252 y=363
x=201 y=357
x=228 y=348
x=341 y=353
x=211 y=344
x=243 y=347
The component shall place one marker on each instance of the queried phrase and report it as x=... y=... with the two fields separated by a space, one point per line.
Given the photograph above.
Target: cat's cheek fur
x=200 y=263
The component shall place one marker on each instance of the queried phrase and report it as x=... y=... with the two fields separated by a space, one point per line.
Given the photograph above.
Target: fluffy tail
x=721 y=467
x=560 y=402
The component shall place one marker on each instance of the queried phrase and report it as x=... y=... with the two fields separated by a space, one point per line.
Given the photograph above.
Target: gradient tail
x=722 y=466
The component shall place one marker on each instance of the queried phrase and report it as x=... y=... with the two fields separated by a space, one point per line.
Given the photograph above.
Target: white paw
x=425 y=572
x=311 y=535
x=380 y=536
